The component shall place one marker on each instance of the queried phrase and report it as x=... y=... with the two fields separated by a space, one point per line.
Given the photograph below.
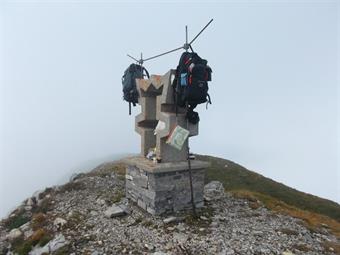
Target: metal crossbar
x=186 y=46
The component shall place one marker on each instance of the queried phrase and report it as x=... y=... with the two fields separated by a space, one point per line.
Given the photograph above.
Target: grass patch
x=331 y=247
x=147 y=223
x=40 y=237
x=65 y=250
x=72 y=186
x=236 y=177
x=106 y=169
x=301 y=247
x=313 y=220
x=74 y=220
x=39 y=220
x=115 y=198
x=137 y=221
x=44 y=206
x=22 y=248
x=19 y=219
x=196 y=221
x=289 y=232
x=47 y=191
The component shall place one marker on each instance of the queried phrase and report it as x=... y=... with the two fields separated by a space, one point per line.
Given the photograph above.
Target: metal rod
x=186 y=45
x=132 y=58
x=186 y=38
x=179 y=48
x=201 y=31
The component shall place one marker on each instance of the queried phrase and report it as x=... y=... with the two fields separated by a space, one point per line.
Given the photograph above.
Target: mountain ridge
x=243 y=214
x=243 y=178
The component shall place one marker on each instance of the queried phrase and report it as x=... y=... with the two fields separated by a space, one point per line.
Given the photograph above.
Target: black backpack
x=130 y=93
x=191 y=83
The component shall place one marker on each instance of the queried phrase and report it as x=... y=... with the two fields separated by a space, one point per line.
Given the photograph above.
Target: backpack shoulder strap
x=146 y=71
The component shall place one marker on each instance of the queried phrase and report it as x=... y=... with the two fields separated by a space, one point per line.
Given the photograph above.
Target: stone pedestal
x=164 y=187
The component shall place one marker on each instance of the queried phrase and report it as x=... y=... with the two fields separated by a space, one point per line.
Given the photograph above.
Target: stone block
x=168 y=185
x=151 y=210
x=141 y=204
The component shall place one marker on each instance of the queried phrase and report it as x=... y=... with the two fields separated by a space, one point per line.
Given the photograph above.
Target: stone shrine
x=162 y=184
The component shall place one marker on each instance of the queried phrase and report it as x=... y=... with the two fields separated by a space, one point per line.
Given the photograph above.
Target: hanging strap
x=175 y=92
x=208 y=101
x=129 y=108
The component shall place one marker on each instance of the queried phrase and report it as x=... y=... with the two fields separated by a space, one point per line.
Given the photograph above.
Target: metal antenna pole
x=179 y=48
x=186 y=46
x=132 y=58
x=201 y=31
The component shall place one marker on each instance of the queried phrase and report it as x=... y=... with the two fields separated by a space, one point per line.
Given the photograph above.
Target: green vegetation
x=315 y=212
x=331 y=246
x=75 y=219
x=39 y=220
x=107 y=169
x=22 y=247
x=72 y=186
x=44 y=206
x=65 y=250
x=19 y=219
x=147 y=223
x=235 y=177
x=40 y=237
x=117 y=197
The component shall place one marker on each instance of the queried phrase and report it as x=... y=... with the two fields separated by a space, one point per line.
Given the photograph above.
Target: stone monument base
x=162 y=188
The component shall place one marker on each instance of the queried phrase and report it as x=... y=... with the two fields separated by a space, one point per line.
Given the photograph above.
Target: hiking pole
x=191 y=187
x=190 y=173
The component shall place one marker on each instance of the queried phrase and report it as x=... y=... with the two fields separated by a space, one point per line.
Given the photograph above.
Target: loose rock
x=14 y=234
x=59 y=222
x=170 y=219
x=114 y=211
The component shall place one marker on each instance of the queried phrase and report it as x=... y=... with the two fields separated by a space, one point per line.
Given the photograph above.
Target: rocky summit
x=90 y=215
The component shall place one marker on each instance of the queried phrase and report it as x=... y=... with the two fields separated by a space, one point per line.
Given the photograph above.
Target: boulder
x=213 y=190
x=14 y=234
x=59 y=222
x=58 y=242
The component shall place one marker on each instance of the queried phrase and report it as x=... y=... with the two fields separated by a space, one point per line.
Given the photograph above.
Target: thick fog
x=274 y=91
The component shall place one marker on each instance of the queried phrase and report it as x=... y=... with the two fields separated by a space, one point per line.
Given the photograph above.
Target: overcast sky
x=275 y=77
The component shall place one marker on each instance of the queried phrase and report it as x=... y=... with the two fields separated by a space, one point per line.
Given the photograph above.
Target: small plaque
x=177 y=137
